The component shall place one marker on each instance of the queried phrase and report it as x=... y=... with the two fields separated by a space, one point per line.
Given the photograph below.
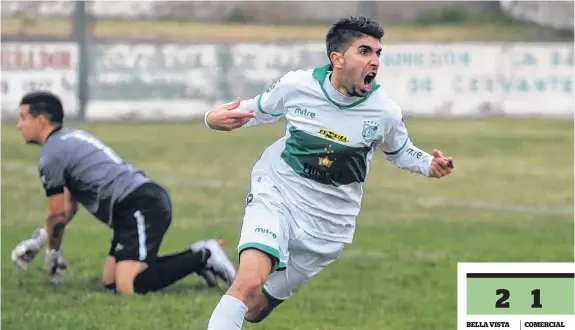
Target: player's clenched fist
x=224 y=119
x=440 y=165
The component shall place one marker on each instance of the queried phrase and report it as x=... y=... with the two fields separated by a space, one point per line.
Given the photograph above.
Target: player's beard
x=352 y=88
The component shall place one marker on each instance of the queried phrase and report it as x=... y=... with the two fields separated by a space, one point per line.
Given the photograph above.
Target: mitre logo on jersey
x=333 y=136
x=303 y=112
x=369 y=130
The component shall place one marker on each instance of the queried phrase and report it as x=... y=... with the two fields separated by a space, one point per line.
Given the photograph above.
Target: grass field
x=510 y=199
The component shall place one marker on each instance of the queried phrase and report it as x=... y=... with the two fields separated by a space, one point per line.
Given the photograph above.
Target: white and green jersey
x=321 y=163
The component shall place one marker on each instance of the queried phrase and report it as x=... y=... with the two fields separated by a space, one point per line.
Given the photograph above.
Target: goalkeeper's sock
x=160 y=275
x=171 y=256
x=228 y=315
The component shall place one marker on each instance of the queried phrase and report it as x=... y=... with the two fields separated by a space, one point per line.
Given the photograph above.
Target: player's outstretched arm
x=266 y=108
x=400 y=151
x=224 y=118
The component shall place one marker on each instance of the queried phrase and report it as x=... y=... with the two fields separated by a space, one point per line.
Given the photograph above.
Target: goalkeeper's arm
x=27 y=250
x=61 y=211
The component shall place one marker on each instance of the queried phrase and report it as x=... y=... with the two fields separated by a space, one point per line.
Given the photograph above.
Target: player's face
x=29 y=126
x=361 y=62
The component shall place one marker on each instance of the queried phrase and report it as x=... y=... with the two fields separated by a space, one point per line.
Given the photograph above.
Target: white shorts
x=269 y=226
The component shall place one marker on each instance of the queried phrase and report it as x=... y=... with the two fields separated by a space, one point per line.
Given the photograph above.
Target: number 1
x=536 y=298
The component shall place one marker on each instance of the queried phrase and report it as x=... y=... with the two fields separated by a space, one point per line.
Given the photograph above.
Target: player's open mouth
x=369 y=78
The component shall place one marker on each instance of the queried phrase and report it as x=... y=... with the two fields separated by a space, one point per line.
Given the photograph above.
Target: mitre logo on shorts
x=266 y=231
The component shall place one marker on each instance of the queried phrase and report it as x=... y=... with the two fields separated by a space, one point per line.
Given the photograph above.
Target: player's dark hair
x=46 y=104
x=345 y=31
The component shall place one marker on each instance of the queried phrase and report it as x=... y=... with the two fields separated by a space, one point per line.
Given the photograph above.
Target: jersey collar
x=332 y=95
x=52 y=133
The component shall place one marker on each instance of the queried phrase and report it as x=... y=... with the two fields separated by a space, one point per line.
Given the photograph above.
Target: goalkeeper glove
x=55 y=266
x=26 y=251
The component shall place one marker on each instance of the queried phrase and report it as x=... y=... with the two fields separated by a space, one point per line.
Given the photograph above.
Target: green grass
x=400 y=272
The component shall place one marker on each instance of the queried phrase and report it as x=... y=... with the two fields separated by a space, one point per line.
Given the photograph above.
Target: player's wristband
x=206 y=118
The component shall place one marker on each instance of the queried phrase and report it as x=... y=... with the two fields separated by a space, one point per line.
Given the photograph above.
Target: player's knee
x=126 y=272
x=252 y=274
x=248 y=283
x=125 y=286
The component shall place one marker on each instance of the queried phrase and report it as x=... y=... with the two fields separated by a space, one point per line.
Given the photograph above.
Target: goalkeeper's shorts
x=141 y=221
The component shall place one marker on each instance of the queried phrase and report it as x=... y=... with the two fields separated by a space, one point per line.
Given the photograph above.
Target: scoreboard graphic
x=517 y=296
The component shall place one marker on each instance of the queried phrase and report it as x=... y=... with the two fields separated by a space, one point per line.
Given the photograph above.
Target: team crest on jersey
x=369 y=130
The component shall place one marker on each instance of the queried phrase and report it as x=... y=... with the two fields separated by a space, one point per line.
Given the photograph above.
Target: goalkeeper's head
x=353 y=46
x=40 y=114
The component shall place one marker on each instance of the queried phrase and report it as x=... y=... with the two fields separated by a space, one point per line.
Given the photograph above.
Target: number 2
x=502 y=302
x=505 y=294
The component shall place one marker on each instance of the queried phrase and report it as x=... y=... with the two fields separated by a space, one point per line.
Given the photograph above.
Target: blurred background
x=171 y=59
x=139 y=75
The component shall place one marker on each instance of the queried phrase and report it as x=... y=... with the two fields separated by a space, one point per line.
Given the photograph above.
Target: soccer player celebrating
x=77 y=168
x=306 y=189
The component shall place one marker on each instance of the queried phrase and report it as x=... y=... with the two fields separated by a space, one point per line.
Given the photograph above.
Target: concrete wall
x=255 y=11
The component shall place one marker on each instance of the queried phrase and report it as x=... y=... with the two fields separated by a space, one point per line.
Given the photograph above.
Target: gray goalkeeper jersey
x=95 y=175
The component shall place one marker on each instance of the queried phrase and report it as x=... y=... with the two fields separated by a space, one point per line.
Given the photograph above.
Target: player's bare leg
x=109 y=273
x=126 y=272
x=258 y=306
x=245 y=292
x=262 y=308
x=133 y=276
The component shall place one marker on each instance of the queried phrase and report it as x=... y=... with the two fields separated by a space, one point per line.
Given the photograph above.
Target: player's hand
x=27 y=250
x=24 y=253
x=224 y=119
x=55 y=266
x=440 y=165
